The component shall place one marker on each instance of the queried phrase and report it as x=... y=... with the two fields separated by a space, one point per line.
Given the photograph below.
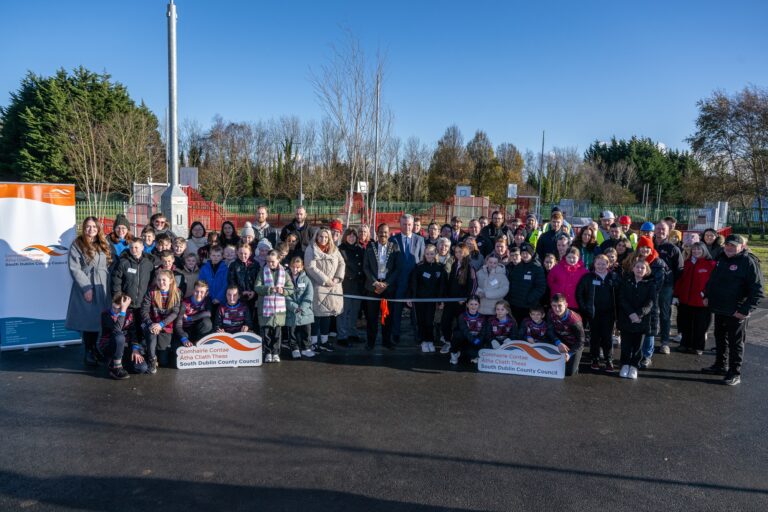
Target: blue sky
x=579 y=70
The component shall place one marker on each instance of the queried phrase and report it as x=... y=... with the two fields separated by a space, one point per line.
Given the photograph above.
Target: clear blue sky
x=579 y=70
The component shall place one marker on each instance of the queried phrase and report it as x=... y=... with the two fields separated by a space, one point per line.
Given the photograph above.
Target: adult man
x=262 y=227
x=496 y=227
x=672 y=256
x=301 y=227
x=604 y=231
x=625 y=223
x=732 y=293
x=484 y=244
x=615 y=236
x=456 y=233
x=483 y=220
x=547 y=242
x=380 y=266
x=411 y=248
x=532 y=230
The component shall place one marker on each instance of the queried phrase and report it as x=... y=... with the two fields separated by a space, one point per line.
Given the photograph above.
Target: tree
x=448 y=166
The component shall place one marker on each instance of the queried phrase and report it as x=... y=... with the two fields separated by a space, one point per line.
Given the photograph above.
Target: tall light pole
x=301 y=175
x=174 y=202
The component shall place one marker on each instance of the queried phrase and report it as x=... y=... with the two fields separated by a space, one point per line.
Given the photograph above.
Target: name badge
x=132 y=271
x=527 y=277
x=597 y=282
x=427 y=275
x=494 y=282
x=226 y=322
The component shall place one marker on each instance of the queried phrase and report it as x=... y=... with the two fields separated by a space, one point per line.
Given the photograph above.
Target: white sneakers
x=628 y=372
x=445 y=348
x=275 y=359
x=427 y=346
x=296 y=354
x=495 y=344
x=431 y=346
x=308 y=353
x=664 y=349
x=455 y=357
x=268 y=358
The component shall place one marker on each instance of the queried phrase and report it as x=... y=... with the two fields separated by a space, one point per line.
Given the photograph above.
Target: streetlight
x=298 y=159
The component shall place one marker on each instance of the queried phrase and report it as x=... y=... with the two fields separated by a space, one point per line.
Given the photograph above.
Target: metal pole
x=541 y=177
x=372 y=220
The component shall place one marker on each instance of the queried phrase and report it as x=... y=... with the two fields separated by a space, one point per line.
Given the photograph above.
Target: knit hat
x=121 y=220
x=646 y=241
x=526 y=247
x=264 y=243
x=248 y=230
x=336 y=225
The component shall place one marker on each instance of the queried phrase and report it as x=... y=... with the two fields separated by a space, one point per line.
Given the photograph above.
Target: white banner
x=523 y=358
x=36 y=230
x=221 y=350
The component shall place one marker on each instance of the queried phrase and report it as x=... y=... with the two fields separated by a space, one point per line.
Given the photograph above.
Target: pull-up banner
x=37 y=227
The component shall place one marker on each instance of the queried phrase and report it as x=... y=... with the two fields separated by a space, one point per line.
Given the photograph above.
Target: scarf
x=273 y=303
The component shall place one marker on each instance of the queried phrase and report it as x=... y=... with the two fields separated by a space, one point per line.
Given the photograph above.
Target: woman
x=326 y=268
x=637 y=296
x=160 y=224
x=518 y=238
x=492 y=285
x=565 y=276
x=197 y=237
x=444 y=253
x=476 y=258
x=693 y=316
x=462 y=282
x=89 y=260
x=228 y=235
x=433 y=234
x=120 y=238
x=623 y=250
x=353 y=283
x=294 y=246
x=587 y=245
x=204 y=252
x=364 y=236
x=714 y=243
x=501 y=249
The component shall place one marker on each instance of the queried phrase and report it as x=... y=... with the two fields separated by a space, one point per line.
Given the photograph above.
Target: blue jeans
x=665 y=313
x=647 y=348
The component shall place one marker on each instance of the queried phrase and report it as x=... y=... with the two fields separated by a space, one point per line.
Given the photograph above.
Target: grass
x=760 y=248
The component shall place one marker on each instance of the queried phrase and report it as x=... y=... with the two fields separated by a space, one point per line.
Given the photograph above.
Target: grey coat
x=87 y=275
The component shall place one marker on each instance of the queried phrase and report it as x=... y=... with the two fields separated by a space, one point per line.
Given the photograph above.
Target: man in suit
x=411 y=248
x=380 y=266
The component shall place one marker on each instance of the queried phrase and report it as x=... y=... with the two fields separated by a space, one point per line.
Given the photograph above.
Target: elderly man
x=484 y=244
x=411 y=248
x=262 y=227
x=301 y=227
x=732 y=293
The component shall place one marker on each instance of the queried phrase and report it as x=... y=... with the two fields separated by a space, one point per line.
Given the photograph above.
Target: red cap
x=624 y=220
x=336 y=225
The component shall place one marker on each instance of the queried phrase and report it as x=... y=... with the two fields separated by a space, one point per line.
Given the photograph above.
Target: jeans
x=647 y=347
x=159 y=346
x=665 y=313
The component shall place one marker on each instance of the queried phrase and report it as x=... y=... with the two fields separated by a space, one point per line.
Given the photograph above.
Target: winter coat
x=217 y=283
x=563 y=278
x=427 y=281
x=277 y=319
x=354 y=278
x=673 y=257
x=454 y=289
x=689 y=289
x=322 y=268
x=195 y=244
x=87 y=275
x=306 y=233
x=595 y=295
x=301 y=298
x=133 y=277
x=640 y=298
x=527 y=284
x=736 y=284
x=266 y=231
x=190 y=276
x=494 y=286
x=243 y=276
x=477 y=261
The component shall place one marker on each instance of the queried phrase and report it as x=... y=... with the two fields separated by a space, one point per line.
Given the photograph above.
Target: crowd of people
x=306 y=288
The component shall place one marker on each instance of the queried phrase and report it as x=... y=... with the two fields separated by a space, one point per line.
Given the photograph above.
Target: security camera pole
x=174 y=202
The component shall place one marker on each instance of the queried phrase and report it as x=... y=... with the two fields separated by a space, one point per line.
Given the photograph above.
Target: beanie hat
x=121 y=220
x=336 y=225
x=264 y=243
x=646 y=241
x=526 y=247
x=248 y=230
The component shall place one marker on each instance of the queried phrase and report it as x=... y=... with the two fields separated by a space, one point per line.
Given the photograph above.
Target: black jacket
x=132 y=276
x=736 y=284
x=371 y=267
x=637 y=297
x=547 y=244
x=491 y=232
x=268 y=232
x=354 y=279
x=306 y=233
x=427 y=280
x=595 y=294
x=673 y=257
x=527 y=284
x=242 y=276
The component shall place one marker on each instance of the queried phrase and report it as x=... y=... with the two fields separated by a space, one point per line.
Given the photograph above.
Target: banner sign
x=36 y=231
x=523 y=358
x=221 y=350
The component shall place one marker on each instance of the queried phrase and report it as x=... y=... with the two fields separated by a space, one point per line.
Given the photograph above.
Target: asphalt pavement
x=388 y=431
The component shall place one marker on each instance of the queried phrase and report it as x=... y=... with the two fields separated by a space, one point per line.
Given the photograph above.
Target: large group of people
x=307 y=288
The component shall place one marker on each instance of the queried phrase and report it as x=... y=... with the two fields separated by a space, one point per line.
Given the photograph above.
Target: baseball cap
x=735 y=239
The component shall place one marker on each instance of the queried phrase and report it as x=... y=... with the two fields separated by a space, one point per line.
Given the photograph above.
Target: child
x=163 y=242
x=469 y=334
x=262 y=249
x=179 y=246
x=159 y=310
x=596 y=295
x=230 y=254
x=427 y=281
x=503 y=326
x=492 y=284
x=117 y=331
x=148 y=237
x=273 y=286
x=190 y=271
x=132 y=275
x=194 y=321
x=204 y=252
x=533 y=328
x=167 y=262
x=514 y=257
x=232 y=316
x=637 y=297
x=243 y=272
x=300 y=315
x=567 y=332
x=214 y=272
x=283 y=253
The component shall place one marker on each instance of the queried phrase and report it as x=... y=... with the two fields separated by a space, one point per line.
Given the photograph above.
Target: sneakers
x=275 y=358
x=326 y=347
x=632 y=373
x=296 y=354
x=474 y=360
x=118 y=372
x=308 y=353
x=424 y=347
x=595 y=365
x=431 y=346
x=445 y=348
x=699 y=352
x=495 y=344
x=268 y=358
x=90 y=358
x=152 y=366
x=676 y=337
x=624 y=373
x=714 y=370
x=645 y=363
x=664 y=349
x=609 y=368
x=455 y=358
x=732 y=380
x=314 y=348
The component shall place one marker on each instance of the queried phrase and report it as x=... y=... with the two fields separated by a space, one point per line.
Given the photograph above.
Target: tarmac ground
x=389 y=431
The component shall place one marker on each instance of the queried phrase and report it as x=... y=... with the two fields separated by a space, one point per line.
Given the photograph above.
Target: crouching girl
x=159 y=310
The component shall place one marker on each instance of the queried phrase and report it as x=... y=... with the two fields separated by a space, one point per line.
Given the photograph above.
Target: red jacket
x=692 y=281
x=563 y=278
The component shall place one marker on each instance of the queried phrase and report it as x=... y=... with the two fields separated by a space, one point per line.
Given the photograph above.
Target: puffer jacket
x=243 y=276
x=637 y=297
x=132 y=277
x=527 y=284
x=494 y=286
x=322 y=268
x=564 y=278
x=300 y=299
